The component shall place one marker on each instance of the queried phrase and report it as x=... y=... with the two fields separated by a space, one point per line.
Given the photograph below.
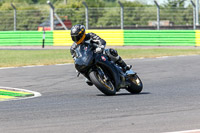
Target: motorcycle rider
x=79 y=37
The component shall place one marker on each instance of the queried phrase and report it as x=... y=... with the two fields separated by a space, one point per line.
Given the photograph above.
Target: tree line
x=102 y=13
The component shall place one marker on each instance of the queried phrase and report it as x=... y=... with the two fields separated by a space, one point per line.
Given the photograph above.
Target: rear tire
x=135 y=84
x=105 y=87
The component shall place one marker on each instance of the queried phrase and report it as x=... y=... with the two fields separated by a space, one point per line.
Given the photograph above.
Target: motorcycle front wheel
x=136 y=85
x=103 y=84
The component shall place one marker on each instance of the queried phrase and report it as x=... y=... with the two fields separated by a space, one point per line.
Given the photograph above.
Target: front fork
x=102 y=74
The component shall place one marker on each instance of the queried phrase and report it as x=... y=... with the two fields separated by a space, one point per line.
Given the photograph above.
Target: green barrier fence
x=25 y=38
x=159 y=37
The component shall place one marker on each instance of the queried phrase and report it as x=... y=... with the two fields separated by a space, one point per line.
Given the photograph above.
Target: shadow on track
x=126 y=94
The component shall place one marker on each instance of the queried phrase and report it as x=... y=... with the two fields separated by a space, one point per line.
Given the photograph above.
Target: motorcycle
x=107 y=76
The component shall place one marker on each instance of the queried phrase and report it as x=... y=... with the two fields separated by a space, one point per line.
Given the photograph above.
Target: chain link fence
x=25 y=19
x=100 y=18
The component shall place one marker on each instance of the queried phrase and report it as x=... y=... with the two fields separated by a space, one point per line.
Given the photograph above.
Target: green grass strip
x=16 y=58
x=15 y=93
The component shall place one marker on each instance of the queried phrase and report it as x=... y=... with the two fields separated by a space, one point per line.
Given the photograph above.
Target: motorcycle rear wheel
x=136 y=85
x=104 y=86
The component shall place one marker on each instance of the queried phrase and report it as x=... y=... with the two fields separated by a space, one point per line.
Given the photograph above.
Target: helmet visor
x=76 y=38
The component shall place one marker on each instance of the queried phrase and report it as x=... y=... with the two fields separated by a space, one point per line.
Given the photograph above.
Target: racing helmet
x=78 y=33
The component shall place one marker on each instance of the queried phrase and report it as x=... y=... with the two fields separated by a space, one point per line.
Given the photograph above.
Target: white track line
x=186 y=131
x=2 y=68
x=36 y=94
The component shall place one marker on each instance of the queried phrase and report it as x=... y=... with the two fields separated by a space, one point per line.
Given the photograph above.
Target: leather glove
x=97 y=42
x=99 y=49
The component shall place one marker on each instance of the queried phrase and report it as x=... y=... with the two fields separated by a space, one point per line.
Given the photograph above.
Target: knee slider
x=112 y=54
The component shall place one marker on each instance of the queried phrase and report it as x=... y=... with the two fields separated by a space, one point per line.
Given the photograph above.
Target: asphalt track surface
x=170 y=100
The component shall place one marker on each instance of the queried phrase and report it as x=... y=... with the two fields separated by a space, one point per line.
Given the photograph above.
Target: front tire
x=136 y=85
x=103 y=85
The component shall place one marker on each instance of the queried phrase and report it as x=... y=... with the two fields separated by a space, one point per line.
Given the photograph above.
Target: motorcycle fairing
x=109 y=66
x=84 y=57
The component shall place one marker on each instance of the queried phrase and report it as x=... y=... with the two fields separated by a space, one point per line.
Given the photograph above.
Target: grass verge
x=15 y=58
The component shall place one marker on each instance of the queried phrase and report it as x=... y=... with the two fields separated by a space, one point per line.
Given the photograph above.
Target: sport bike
x=107 y=76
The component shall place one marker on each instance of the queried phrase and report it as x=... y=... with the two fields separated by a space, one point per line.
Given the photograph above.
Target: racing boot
x=88 y=82
x=122 y=64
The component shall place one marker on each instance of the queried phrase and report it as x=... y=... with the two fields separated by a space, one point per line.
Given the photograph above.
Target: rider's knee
x=112 y=54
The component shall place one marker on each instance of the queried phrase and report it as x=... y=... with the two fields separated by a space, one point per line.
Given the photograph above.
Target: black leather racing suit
x=90 y=36
x=111 y=53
